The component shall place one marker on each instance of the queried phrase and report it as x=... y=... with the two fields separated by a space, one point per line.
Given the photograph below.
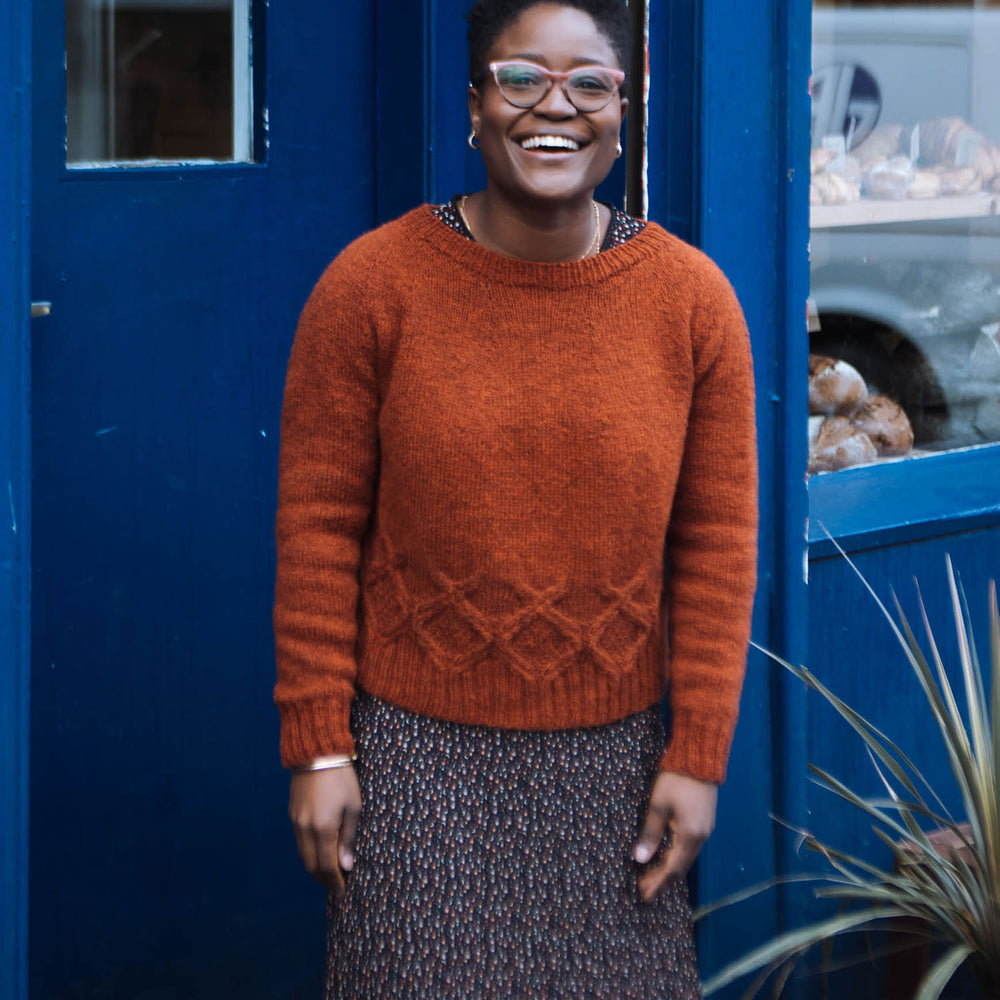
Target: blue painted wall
x=160 y=848
x=15 y=518
x=162 y=859
x=158 y=386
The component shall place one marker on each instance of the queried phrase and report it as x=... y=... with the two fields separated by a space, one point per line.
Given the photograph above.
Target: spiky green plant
x=951 y=896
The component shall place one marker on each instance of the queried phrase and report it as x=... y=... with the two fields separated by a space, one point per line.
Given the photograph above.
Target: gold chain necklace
x=595 y=243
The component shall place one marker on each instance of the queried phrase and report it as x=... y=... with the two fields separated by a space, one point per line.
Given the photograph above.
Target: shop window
x=905 y=219
x=157 y=81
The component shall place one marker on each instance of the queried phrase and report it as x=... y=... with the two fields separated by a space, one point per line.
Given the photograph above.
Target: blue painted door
x=162 y=864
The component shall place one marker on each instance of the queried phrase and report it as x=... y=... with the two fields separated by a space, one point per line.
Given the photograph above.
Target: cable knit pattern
x=534 y=631
x=485 y=461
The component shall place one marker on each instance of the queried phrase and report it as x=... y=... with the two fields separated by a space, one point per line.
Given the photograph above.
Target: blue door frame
x=729 y=170
x=728 y=145
x=15 y=187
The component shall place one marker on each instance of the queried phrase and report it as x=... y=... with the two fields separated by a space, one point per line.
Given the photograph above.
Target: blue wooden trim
x=454 y=167
x=402 y=107
x=116 y=173
x=15 y=186
x=790 y=606
x=751 y=123
x=751 y=216
x=672 y=123
x=904 y=501
x=258 y=79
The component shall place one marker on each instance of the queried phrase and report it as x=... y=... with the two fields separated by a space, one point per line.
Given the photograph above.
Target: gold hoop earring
x=618 y=150
x=473 y=141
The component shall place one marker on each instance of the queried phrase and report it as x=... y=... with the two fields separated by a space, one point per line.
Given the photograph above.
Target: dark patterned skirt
x=498 y=863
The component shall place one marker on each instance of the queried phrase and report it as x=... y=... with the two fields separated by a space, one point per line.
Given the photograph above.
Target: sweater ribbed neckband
x=494 y=266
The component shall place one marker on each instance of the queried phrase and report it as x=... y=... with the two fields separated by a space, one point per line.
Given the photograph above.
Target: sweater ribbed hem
x=491 y=694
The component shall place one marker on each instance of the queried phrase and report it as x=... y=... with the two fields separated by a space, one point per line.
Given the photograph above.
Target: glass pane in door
x=157 y=80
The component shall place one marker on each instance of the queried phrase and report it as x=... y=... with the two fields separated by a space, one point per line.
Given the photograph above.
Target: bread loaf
x=886 y=424
x=881 y=144
x=834 y=190
x=835 y=387
x=955 y=181
x=839 y=445
x=939 y=139
x=819 y=159
x=889 y=179
x=925 y=184
x=983 y=162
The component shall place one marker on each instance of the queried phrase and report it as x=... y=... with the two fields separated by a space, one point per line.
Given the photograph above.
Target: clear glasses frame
x=581 y=97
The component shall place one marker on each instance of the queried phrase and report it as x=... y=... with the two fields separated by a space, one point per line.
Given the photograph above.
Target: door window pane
x=905 y=247
x=157 y=80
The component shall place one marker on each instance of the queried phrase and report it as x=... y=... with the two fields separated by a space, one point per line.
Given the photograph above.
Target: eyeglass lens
x=525 y=85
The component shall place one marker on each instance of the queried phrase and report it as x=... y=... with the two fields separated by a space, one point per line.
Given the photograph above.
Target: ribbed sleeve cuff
x=698 y=747
x=315 y=728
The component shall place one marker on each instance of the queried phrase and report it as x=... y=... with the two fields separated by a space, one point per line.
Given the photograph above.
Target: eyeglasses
x=525 y=84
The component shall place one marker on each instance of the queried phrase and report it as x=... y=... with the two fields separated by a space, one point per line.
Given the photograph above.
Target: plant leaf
x=941 y=971
x=975 y=696
x=751 y=891
x=879 y=742
x=793 y=942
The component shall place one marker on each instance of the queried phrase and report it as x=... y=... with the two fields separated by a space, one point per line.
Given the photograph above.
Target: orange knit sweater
x=483 y=463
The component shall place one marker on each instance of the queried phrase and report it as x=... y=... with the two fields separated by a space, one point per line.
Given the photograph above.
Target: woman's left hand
x=686 y=807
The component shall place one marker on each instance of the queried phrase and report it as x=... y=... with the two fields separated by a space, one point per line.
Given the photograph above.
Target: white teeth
x=550 y=142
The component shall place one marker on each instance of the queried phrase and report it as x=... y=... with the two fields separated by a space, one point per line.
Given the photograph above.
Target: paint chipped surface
x=106 y=430
x=13 y=513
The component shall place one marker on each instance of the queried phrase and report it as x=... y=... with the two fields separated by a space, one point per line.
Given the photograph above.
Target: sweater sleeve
x=712 y=540
x=327 y=475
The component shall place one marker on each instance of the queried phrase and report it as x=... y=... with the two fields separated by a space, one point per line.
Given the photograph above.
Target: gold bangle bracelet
x=327 y=763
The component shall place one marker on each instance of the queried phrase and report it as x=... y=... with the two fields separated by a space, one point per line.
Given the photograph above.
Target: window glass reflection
x=156 y=80
x=905 y=249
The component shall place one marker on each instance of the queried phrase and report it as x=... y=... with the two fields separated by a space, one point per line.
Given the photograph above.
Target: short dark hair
x=488 y=19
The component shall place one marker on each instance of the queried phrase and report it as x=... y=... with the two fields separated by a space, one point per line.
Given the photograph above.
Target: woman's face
x=560 y=39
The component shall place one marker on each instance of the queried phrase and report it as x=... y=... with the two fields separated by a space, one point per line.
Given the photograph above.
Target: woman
x=499 y=414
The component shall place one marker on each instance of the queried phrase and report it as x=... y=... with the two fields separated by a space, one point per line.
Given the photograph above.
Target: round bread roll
x=939 y=139
x=881 y=144
x=833 y=431
x=819 y=159
x=925 y=184
x=886 y=424
x=815 y=195
x=983 y=162
x=955 y=181
x=889 y=180
x=834 y=190
x=815 y=423
x=839 y=445
x=995 y=184
x=835 y=387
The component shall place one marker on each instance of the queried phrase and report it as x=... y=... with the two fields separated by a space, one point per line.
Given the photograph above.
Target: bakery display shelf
x=871 y=212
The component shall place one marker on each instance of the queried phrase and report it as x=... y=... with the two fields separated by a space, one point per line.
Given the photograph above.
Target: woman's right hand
x=324 y=807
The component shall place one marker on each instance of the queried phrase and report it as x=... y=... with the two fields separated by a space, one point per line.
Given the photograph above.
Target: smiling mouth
x=550 y=143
